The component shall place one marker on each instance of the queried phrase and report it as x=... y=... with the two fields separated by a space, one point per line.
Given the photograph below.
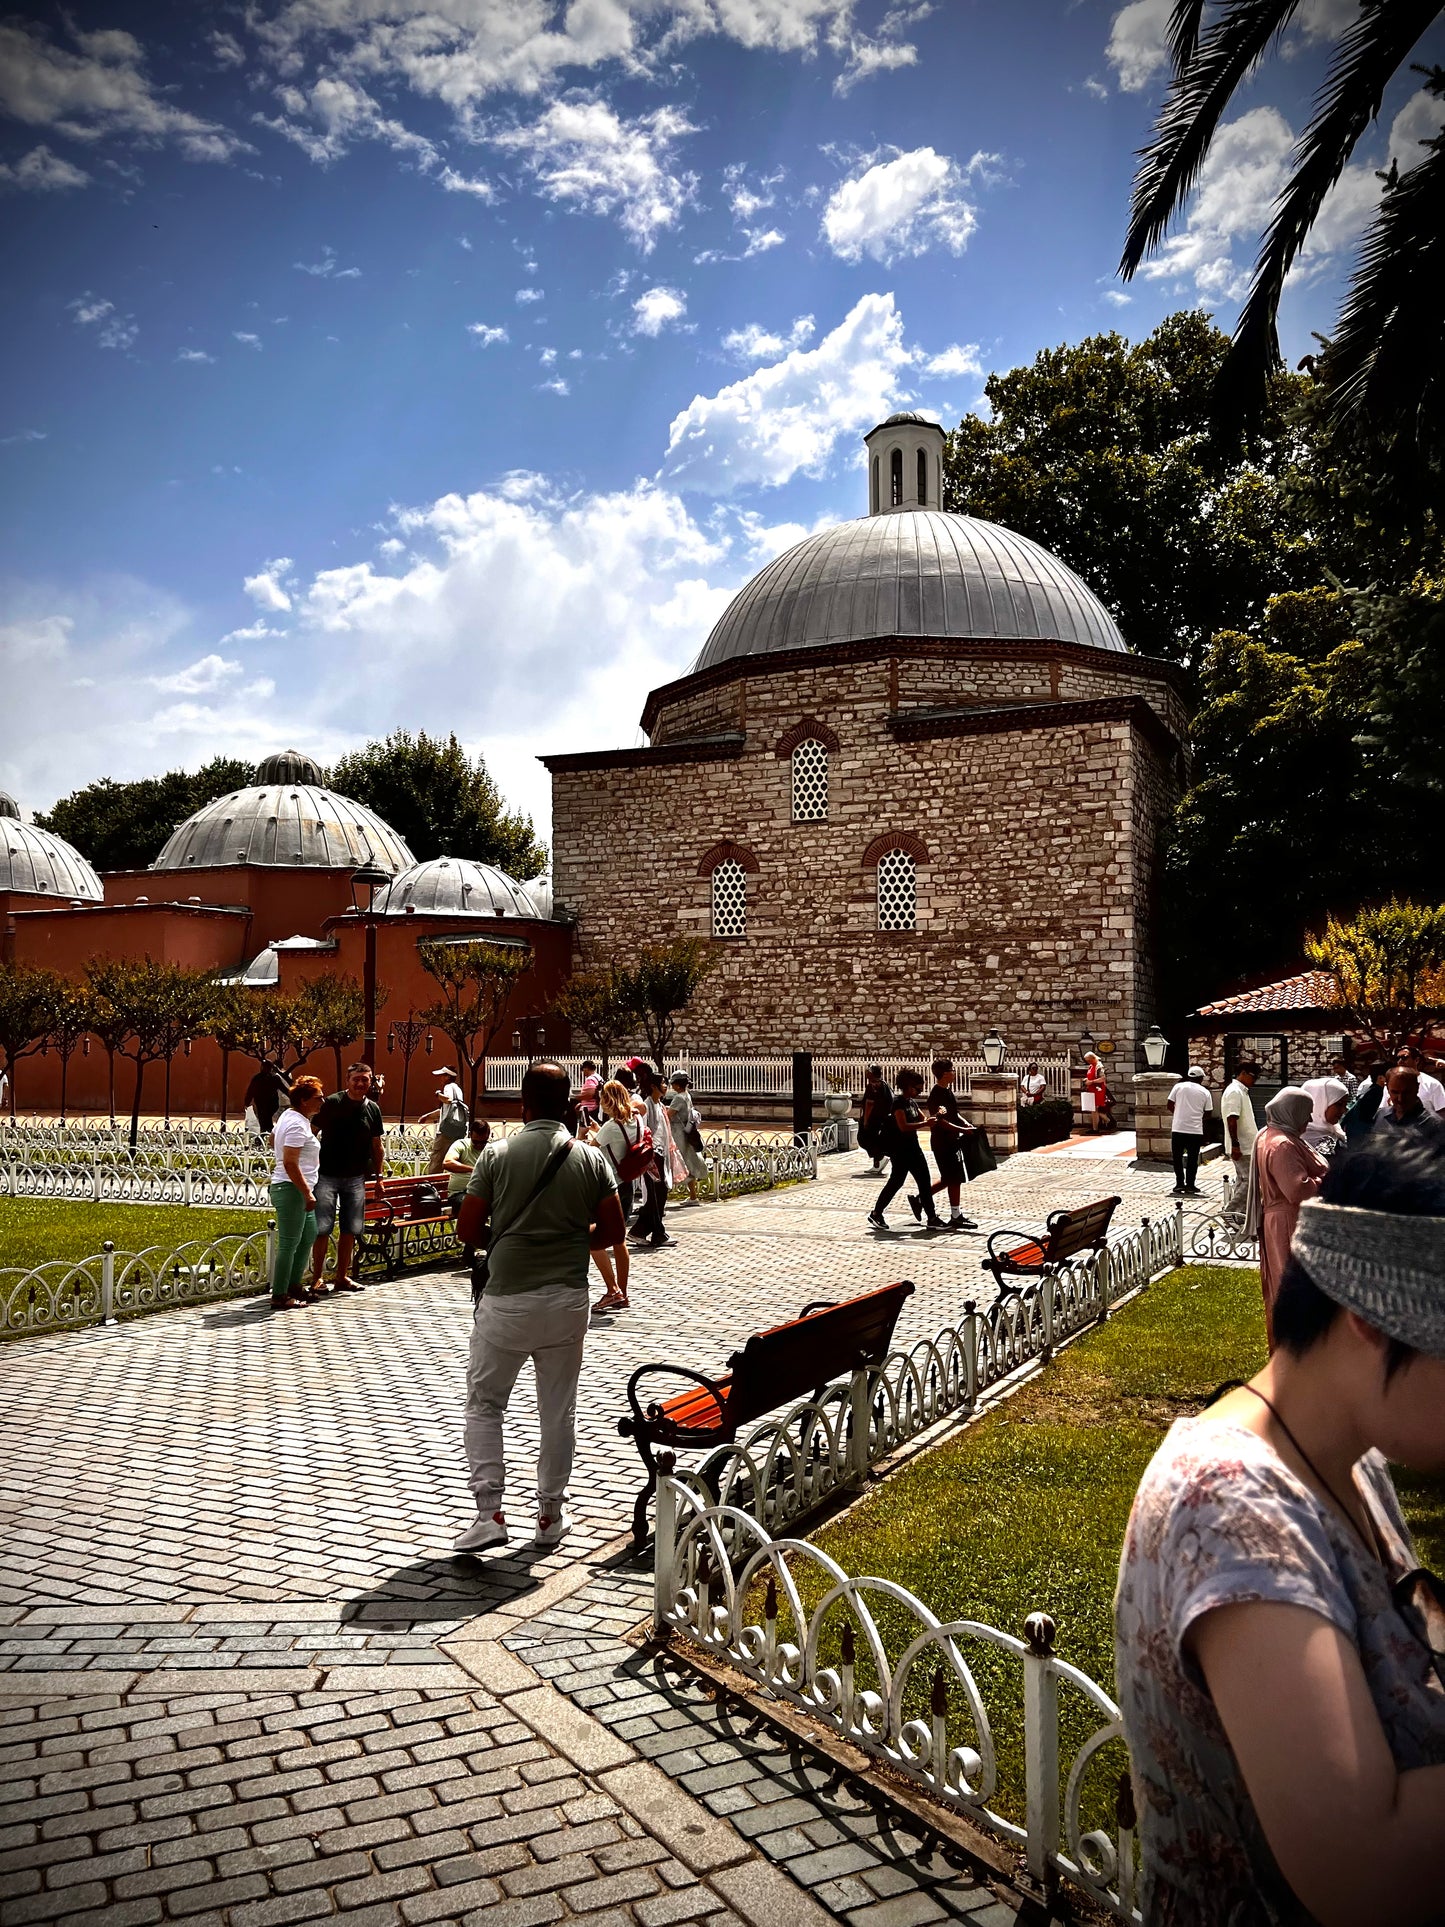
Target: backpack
x=637 y=1159
x=453 y=1121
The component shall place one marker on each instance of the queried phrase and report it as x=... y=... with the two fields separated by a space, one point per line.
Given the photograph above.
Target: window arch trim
x=809 y=729
x=728 y=851
x=896 y=840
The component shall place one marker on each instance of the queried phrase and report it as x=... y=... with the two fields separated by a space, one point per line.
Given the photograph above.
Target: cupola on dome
x=286 y=819
x=36 y=862
x=454 y=886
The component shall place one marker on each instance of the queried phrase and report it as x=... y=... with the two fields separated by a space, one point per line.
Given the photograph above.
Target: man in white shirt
x=1236 y=1107
x=1432 y=1091
x=451 y=1116
x=1189 y=1104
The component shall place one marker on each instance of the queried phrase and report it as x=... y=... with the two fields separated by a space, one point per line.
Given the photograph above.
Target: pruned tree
x=661 y=981
x=189 y=1011
x=331 y=1013
x=230 y=1026
x=145 y=1008
x=600 y=1005
x=1386 y=968
x=28 y=998
x=477 y=980
x=70 y=1024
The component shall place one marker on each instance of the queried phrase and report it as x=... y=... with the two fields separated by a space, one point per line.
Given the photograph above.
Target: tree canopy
x=442 y=801
x=123 y=826
x=1387 y=966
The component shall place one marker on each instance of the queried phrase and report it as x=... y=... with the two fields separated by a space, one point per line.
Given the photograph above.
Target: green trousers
x=295 y=1235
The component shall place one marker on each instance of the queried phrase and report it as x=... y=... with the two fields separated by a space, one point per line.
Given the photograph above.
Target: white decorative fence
x=112 y=1284
x=919 y=1708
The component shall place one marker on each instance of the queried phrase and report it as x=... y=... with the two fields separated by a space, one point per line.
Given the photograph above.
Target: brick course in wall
x=1035 y=902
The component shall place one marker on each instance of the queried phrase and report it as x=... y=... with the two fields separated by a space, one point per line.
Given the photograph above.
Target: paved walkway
x=243 y=1682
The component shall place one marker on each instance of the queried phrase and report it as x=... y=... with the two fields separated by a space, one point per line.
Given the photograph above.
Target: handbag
x=452 y=1123
x=481 y=1261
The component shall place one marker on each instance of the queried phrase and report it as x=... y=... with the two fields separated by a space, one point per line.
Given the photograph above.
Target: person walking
x=540 y=1191
x=626 y=1143
x=350 y=1129
x=297 y=1152
x=666 y=1167
x=947 y=1133
x=587 y=1096
x=1359 y=1120
x=457 y=1167
x=682 y=1120
x=1406 y=1115
x=875 y=1115
x=906 y=1156
x=1283 y=1173
x=268 y=1093
x=1236 y=1108
x=1096 y=1098
x=1189 y=1104
x=451 y=1115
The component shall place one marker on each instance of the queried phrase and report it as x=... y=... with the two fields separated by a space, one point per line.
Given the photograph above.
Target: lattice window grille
x=897 y=891
x=729 y=899
x=810 y=782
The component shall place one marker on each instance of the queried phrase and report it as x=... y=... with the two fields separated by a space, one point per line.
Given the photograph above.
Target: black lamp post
x=365 y=883
x=404 y=1035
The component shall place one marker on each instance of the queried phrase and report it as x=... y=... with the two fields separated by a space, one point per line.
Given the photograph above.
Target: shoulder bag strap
x=555 y=1161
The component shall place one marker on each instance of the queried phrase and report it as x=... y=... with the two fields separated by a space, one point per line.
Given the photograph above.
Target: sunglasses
x=1419 y=1599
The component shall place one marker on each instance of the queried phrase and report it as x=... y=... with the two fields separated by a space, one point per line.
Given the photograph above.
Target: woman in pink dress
x=1283 y=1172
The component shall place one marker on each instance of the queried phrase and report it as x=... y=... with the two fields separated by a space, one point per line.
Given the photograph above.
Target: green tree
x=70 y=1024
x=332 y=1011
x=28 y=1003
x=122 y=826
x=476 y=981
x=1384 y=368
x=146 y=1007
x=442 y=801
x=229 y=1024
x=661 y=981
x=1387 y=966
x=600 y=1005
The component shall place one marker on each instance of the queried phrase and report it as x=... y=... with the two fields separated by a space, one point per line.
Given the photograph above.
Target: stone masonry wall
x=1029 y=912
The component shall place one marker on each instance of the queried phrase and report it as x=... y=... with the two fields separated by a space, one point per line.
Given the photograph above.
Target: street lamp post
x=405 y=1035
x=365 y=883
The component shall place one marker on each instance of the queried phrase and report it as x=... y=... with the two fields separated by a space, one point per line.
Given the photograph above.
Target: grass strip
x=33 y=1231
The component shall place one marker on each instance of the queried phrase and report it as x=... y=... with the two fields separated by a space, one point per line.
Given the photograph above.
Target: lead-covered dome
x=454 y=886
x=36 y=862
x=285 y=819
x=914 y=572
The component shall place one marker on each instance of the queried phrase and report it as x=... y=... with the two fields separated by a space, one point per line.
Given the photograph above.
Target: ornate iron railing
x=916 y=1703
x=788 y=1466
x=65 y=1293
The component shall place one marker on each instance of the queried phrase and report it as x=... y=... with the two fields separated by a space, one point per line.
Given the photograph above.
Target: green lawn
x=35 y=1230
x=1026 y=1509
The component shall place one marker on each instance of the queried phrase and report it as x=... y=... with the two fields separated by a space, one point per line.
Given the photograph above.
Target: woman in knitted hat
x=1280 y=1652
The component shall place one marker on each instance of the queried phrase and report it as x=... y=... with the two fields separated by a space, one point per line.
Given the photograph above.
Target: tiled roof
x=1309 y=991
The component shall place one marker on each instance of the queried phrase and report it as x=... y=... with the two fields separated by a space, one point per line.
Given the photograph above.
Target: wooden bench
x=787 y=1362
x=1033 y=1254
x=404 y=1219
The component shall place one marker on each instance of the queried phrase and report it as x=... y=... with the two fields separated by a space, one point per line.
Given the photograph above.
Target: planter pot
x=838 y=1103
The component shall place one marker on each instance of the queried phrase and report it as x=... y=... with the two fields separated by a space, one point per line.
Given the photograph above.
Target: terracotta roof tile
x=1309 y=991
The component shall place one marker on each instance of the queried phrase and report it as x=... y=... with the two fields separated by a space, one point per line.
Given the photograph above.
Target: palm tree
x=1383 y=368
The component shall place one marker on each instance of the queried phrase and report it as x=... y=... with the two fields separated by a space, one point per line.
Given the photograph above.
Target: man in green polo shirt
x=541 y=1192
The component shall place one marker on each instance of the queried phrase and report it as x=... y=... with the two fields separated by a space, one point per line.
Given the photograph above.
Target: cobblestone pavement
x=242 y=1682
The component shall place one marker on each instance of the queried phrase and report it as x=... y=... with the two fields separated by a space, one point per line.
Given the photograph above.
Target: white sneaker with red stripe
x=550 y=1530
x=487 y=1529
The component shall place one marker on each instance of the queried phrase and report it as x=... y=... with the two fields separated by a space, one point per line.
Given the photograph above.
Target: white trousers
x=549 y=1327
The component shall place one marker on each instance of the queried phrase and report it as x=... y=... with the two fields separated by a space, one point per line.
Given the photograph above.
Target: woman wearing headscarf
x=1283 y=1172
x=1280 y=1653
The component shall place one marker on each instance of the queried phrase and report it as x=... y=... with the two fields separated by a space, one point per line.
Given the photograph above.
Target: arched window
x=729 y=899
x=897 y=891
x=810 y=782
x=874 y=505
x=922 y=479
x=895 y=478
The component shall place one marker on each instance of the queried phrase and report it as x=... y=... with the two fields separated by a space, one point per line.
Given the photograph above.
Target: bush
x=1046 y=1123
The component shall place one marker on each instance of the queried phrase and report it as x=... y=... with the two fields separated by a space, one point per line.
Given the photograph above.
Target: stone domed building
x=454 y=886
x=34 y=863
x=912 y=786
x=286 y=818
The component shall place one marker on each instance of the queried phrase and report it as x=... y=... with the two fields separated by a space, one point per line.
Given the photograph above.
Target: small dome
x=8 y=805
x=288 y=822
x=454 y=886
x=907 y=418
x=36 y=862
x=913 y=572
x=290 y=766
x=539 y=889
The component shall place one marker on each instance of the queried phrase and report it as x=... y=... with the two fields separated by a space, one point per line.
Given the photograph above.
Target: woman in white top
x=618 y=1133
x=293 y=1193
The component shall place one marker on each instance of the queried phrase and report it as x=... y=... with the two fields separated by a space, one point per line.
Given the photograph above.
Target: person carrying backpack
x=452 y=1118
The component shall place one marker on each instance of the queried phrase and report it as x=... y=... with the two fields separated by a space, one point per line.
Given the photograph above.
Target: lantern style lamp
x=1156 y=1048
x=365 y=883
x=993 y=1048
x=1086 y=1041
x=516 y=1043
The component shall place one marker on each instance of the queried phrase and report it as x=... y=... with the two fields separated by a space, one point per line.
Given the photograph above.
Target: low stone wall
x=993 y=1104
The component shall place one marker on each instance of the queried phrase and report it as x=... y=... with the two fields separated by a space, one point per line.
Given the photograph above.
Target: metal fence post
x=107 y=1282
x=860 y=1406
x=772 y=1170
x=186 y=1185
x=95 y=1175
x=664 y=1546
x=270 y=1251
x=1046 y=1300
x=1144 y=1233
x=813 y=1150
x=1179 y=1233
x=970 y=1356
x=717 y=1178
x=1041 y=1747
x=1105 y=1269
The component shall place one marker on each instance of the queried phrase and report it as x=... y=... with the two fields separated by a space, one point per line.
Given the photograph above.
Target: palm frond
x=1385 y=366
x=1371 y=52
x=1184 y=25
x=1190 y=116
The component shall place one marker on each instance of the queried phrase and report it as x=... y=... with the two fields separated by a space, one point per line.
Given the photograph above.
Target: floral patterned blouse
x=1220 y=1519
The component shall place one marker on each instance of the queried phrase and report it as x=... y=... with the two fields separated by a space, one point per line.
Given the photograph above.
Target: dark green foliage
x=1046 y=1123
x=122 y=826
x=441 y=801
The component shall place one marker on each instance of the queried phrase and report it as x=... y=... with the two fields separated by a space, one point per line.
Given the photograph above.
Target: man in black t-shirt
x=350 y=1129
x=946 y=1140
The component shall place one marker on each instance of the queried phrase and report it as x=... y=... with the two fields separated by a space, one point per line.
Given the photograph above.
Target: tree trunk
x=168 y=1090
x=64 y=1076
x=336 y=1052
x=405 y=1074
x=140 y=1071
x=110 y=1055
x=225 y=1076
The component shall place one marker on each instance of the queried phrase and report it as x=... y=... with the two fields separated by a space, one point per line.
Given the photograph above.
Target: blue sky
x=447 y=363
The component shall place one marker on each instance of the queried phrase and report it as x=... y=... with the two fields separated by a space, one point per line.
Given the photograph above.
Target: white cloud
x=656 y=309
x=900 y=207
x=326 y=118
x=960 y=359
x=194 y=354
x=98 y=91
x=198 y=678
x=227 y=50
x=1420 y=119
x=1138 y=46
x=790 y=417
x=524 y=295
x=488 y=337
x=1241 y=176
x=558 y=385
x=246 y=339
x=269 y=587
x=581 y=154
x=755 y=343
x=326 y=268
x=884 y=51
x=1117 y=298
x=1095 y=89
x=112 y=329
x=455 y=183
x=24 y=435
x=41 y=172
